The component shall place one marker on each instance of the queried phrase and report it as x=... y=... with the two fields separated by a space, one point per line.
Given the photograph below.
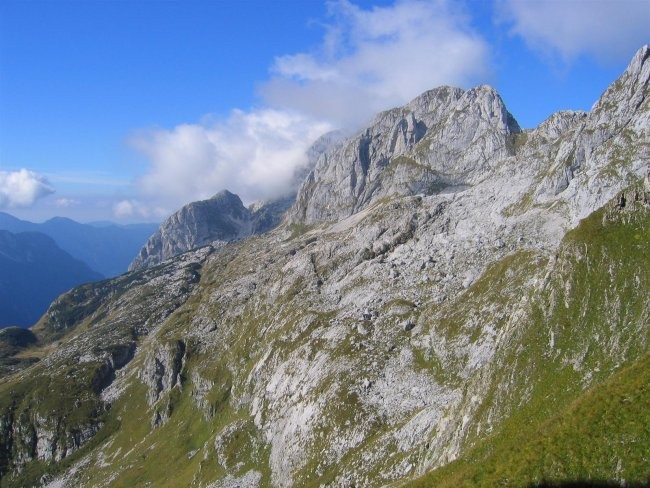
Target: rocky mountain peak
x=227 y=197
x=628 y=93
x=639 y=63
x=217 y=221
x=444 y=137
x=432 y=100
x=222 y=218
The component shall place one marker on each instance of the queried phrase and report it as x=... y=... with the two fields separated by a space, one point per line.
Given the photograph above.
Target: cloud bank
x=605 y=29
x=253 y=154
x=371 y=60
x=22 y=188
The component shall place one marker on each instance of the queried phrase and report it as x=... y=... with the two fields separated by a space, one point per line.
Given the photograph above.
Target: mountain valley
x=33 y=272
x=106 y=248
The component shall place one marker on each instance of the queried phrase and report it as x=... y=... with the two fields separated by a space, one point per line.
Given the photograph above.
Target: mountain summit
x=451 y=301
x=217 y=221
x=444 y=138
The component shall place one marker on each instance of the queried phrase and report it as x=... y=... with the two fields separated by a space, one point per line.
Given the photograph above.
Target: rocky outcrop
x=446 y=137
x=162 y=370
x=220 y=219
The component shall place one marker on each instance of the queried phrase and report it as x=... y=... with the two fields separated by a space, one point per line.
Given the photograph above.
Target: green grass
x=603 y=436
x=297 y=230
x=596 y=305
x=407 y=162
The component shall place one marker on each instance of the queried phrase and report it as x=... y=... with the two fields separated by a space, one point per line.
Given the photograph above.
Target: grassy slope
x=595 y=304
x=603 y=436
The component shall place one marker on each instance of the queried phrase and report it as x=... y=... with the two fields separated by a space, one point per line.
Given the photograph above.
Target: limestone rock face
x=446 y=137
x=222 y=218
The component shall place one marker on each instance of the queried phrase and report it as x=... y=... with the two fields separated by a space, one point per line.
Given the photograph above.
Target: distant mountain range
x=106 y=248
x=33 y=272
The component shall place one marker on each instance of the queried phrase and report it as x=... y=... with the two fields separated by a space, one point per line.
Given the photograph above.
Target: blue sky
x=125 y=110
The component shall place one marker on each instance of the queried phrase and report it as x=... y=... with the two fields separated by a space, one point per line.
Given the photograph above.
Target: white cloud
x=252 y=154
x=136 y=209
x=370 y=60
x=123 y=209
x=22 y=188
x=66 y=202
x=609 y=30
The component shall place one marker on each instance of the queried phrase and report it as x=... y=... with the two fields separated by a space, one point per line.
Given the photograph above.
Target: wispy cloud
x=370 y=60
x=22 y=188
x=66 y=202
x=137 y=209
x=608 y=30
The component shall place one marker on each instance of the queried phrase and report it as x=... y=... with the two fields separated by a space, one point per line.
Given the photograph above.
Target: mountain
x=444 y=139
x=223 y=218
x=218 y=220
x=107 y=249
x=33 y=272
x=451 y=301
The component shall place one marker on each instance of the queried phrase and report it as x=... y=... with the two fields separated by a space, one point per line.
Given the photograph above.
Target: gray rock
x=408 y=325
x=216 y=221
x=444 y=138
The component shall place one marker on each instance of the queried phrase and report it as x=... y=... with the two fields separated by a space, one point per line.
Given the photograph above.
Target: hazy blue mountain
x=33 y=272
x=105 y=247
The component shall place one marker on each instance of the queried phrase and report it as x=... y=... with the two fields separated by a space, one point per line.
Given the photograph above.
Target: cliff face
x=222 y=218
x=445 y=287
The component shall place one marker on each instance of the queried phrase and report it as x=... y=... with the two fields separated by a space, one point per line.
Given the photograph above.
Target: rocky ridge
x=220 y=219
x=223 y=218
x=441 y=277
